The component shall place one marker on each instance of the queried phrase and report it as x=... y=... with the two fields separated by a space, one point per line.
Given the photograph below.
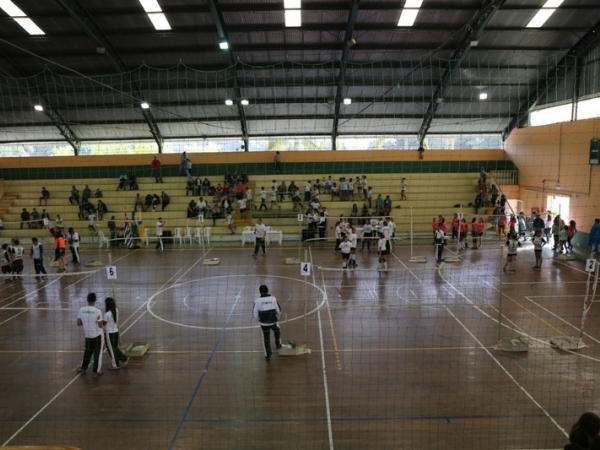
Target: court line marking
x=78 y=375
x=407 y=268
x=508 y=374
x=323 y=365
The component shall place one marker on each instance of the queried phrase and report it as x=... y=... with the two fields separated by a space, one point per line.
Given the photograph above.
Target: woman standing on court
x=111 y=328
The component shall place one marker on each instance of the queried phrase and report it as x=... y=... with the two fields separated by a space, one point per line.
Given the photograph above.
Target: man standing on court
x=260 y=237
x=90 y=318
x=267 y=312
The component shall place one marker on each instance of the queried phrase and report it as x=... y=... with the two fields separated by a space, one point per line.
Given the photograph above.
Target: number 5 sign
x=111 y=272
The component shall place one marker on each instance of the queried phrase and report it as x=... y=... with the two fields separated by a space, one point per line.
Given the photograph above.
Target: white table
x=247 y=236
x=275 y=236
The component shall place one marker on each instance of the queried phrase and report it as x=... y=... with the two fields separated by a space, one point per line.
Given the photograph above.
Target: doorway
x=558 y=204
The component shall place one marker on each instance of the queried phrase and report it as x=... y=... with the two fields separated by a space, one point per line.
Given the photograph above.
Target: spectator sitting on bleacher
x=85 y=209
x=354 y=210
x=74 y=198
x=25 y=216
x=218 y=192
x=87 y=193
x=155 y=201
x=327 y=185
x=191 y=209
x=101 y=208
x=335 y=192
x=45 y=196
x=364 y=212
x=35 y=217
x=133 y=184
x=98 y=193
x=165 y=200
x=205 y=187
x=189 y=186
x=147 y=202
x=216 y=213
x=122 y=182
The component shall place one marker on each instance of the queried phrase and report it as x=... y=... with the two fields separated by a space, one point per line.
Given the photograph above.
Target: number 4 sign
x=111 y=272
x=590 y=265
x=305 y=269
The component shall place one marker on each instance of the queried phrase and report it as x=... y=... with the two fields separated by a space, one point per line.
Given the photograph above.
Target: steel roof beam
x=80 y=15
x=341 y=79
x=49 y=110
x=472 y=32
x=220 y=24
x=579 y=51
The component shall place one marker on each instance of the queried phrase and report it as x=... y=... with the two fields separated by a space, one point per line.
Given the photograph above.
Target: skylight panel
x=151 y=6
x=409 y=13
x=11 y=9
x=292 y=4
x=160 y=22
x=29 y=26
x=293 y=18
x=544 y=13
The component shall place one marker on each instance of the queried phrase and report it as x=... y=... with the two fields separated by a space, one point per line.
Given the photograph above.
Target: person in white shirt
x=73 y=240
x=263 y=199
x=367 y=235
x=403 y=189
x=37 y=254
x=159 y=234
x=90 y=318
x=91 y=226
x=274 y=198
x=230 y=225
x=307 y=190
x=250 y=198
x=328 y=183
x=243 y=204
x=260 y=237
x=345 y=249
x=353 y=238
x=338 y=235
x=267 y=312
x=513 y=244
x=382 y=252
x=16 y=252
x=364 y=184
x=119 y=360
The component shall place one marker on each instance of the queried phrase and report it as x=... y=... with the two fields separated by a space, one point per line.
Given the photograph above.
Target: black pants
x=440 y=249
x=38 y=265
x=93 y=346
x=259 y=242
x=266 y=329
x=112 y=345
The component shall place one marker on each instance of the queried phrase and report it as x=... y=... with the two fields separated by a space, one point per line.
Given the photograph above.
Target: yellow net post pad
x=517 y=344
x=212 y=262
x=291 y=349
x=136 y=349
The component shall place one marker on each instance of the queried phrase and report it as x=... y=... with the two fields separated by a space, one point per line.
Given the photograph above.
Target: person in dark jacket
x=584 y=433
x=267 y=312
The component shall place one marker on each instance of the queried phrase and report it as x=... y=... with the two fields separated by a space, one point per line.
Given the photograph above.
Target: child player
x=382 y=251
x=345 y=248
x=512 y=243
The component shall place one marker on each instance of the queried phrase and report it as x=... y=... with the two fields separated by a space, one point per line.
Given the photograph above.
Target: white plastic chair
x=178 y=235
x=188 y=235
x=103 y=239
x=207 y=234
x=197 y=235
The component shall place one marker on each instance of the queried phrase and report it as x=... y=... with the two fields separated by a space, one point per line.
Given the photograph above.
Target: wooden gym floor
x=399 y=360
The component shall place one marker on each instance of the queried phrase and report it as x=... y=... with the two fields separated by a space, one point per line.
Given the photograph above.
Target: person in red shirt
x=157 y=170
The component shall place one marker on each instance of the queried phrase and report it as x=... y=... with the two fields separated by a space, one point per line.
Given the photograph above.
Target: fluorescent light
x=408 y=17
x=540 y=18
x=29 y=26
x=160 y=22
x=144 y=105
x=413 y=4
x=347 y=101
x=553 y=3
x=38 y=107
x=483 y=96
x=11 y=9
x=245 y=102
x=292 y=4
x=223 y=45
x=150 y=6
x=229 y=102
x=293 y=18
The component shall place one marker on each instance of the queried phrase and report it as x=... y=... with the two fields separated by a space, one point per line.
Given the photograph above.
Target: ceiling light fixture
x=223 y=45
x=150 y=6
x=144 y=105
x=229 y=102
x=293 y=18
x=38 y=107
x=11 y=9
x=245 y=102
x=292 y=4
x=347 y=101
x=483 y=96
x=29 y=26
x=160 y=22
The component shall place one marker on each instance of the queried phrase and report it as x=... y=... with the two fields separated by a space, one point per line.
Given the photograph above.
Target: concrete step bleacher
x=428 y=194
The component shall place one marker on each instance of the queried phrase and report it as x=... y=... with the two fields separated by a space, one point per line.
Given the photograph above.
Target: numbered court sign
x=305 y=269
x=590 y=265
x=200 y=218
x=300 y=218
x=111 y=272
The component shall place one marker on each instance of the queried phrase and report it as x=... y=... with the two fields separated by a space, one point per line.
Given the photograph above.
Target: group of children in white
x=377 y=229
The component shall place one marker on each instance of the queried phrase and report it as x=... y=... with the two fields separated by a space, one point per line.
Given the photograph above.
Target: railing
x=505 y=177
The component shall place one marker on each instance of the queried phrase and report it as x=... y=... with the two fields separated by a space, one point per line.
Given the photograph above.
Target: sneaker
x=264 y=254
x=80 y=369
x=98 y=373
x=111 y=367
x=279 y=347
x=254 y=254
x=513 y=271
x=124 y=363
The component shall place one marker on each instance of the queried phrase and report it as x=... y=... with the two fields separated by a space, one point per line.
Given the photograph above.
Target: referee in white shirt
x=267 y=312
x=260 y=237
